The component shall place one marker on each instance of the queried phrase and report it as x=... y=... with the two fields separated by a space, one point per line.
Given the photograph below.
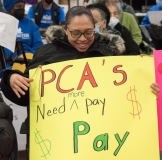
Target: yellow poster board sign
x=94 y=109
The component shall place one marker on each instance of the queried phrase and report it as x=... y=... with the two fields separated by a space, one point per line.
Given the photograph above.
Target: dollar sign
x=137 y=109
x=42 y=144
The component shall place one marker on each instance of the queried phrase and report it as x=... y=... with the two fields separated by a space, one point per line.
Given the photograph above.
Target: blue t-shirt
x=47 y=20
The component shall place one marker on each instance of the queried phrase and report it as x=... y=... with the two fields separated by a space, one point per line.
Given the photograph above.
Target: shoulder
x=55 y=6
x=29 y=25
x=61 y=10
x=129 y=7
x=46 y=49
x=155 y=8
x=129 y=17
x=28 y=22
x=25 y=20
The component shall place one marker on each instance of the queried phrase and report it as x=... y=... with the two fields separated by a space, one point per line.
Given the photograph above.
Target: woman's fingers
x=155 y=88
x=19 y=84
x=17 y=93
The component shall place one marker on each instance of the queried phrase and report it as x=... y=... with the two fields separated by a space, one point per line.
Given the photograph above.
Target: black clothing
x=8 y=140
x=131 y=46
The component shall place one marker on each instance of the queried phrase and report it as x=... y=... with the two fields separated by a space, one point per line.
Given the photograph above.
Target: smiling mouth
x=82 y=45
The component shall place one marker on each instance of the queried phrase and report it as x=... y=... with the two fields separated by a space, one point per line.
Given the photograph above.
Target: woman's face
x=78 y=25
x=113 y=11
x=98 y=19
x=19 y=5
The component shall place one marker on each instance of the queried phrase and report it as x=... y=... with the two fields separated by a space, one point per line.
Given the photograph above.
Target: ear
x=104 y=23
x=65 y=30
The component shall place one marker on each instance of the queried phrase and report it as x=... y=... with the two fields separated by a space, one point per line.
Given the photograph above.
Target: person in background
x=124 y=6
x=8 y=138
x=121 y=5
x=126 y=20
x=155 y=33
x=28 y=32
x=157 y=7
x=102 y=18
x=46 y=13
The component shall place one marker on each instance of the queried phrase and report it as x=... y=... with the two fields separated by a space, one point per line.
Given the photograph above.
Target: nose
x=82 y=38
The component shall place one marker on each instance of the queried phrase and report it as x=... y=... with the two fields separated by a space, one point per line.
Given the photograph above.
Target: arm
x=134 y=30
x=131 y=46
x=5 y=82
x=8 y=91
x=145 y=21
x=61 y=15
x=15 y=84
x=36 y=37
x=31 y=15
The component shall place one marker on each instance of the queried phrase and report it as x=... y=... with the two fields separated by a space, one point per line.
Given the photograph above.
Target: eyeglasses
x=77 y=34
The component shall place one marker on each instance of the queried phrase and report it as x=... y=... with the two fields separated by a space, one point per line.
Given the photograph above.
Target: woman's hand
x=19 y=84
x=155 y=88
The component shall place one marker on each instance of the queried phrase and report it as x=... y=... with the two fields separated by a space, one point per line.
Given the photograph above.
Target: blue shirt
x=47 y=17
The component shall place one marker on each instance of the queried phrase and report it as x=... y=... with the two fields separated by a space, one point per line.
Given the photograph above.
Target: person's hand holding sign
x=155 y=88
x=19 y=84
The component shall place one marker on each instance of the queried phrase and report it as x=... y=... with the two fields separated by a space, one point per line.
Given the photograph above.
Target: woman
x=102 y=17
x=78 y=40
x=126 y=20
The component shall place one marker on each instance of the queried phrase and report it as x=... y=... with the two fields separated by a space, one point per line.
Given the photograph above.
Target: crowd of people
x=104 y=28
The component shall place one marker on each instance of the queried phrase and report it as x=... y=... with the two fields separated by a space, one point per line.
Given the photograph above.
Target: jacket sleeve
x=134 y=29
x=131 y=46
x=130 y=9
x=145 y=21
x=9 y=93
x=36 y=37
